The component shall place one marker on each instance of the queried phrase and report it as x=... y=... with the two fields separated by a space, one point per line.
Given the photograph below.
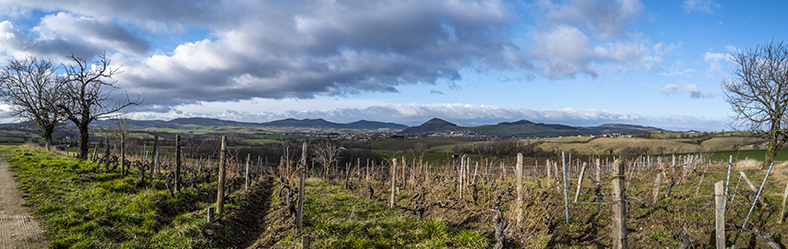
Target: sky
x=577 y=62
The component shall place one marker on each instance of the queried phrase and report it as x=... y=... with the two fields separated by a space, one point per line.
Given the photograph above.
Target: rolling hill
x=525 y=128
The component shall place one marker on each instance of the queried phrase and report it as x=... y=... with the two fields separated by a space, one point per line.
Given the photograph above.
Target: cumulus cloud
x=696 y=93
x=292 y=49
x=563 y=41
x=93 y=32
x=702 y=6
x=670 y=89
x=715 y=70
x=466 y=114
x=676 y=69
x=304 y=49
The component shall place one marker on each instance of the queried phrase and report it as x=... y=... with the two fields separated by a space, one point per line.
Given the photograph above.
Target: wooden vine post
x=106 y=155
x=222 y=165
x=782 y=210
x=393 y=180
x=519 y=189
x=122 y=154
x=580 y=181
x=246 y=178
x=300 y=217
x=178 y=162
x=619 y=231
x=155 y=156
x=719 y=213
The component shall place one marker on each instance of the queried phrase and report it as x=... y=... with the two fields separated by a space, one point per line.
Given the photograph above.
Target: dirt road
x=17 y=228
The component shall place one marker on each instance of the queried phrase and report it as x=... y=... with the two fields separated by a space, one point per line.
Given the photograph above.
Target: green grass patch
x=335 y=218
x=84 y=207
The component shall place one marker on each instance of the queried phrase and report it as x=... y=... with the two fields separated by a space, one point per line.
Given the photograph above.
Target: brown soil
x=17 y=228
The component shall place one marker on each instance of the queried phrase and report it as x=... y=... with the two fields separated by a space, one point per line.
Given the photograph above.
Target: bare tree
x=326 y=153
x=758 y=94
x=87 y=95
x=32 y=87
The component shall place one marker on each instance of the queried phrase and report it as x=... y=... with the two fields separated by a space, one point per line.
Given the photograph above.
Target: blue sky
x=657 y=63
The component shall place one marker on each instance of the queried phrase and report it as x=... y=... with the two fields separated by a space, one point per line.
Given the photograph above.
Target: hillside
x=433 y=125
x=525 y=128
x=323 y=124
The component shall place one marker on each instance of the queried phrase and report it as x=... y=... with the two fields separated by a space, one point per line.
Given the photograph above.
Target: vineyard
x=237 y=201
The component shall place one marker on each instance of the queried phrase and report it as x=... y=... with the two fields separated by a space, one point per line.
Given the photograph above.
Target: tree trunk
x=83 y=140
x=771 y=150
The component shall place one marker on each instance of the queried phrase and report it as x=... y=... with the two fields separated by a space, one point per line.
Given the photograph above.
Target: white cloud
x=563 y=41
x=91 y=31
x=715 y=69
x=291 y=49
x=695 y=92
x=677 y=69
x=670 y=89
x=702 y=6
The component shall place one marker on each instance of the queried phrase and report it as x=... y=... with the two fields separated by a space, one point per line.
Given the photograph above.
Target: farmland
x=402 y=192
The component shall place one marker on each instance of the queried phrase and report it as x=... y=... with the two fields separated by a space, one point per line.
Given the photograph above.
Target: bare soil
x=17 y=228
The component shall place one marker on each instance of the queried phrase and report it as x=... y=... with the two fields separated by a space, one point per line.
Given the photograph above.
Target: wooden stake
x=719 y=214
x=657 y=183
x=222 y=166
x=619 y=229
x=178 y=183
x=300 y=216
x=393 y=180
x=246 y=176
x=519 y=189
x=782 y=210
x=122 y=154
x=580 y=181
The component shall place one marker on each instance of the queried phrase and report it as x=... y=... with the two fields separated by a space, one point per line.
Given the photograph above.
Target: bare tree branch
x=32 y=88
x=87 y=95
x=758 y=94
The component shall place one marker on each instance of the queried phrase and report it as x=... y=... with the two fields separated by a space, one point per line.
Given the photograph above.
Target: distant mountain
x=525 y=128
x=619 y=128
x=284 y=124
x=433 y=125
x=323 y=124
x=210 y=122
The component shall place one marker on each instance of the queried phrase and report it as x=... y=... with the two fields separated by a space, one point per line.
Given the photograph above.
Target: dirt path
x=17 y=228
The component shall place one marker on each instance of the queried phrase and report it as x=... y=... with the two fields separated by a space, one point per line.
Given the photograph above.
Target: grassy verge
x=335 y=218
x=84 y=207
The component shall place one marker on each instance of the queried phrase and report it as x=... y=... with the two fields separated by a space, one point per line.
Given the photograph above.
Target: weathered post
x=122 y=154
x=222 y=165
x=580 y=181
x=657 y=183
x=566 y=197
x=462 y=177
x=393 y=180
x=619 y=231
x=719 y=214
x=178 y=162
x=548 y=165
x=246 y=178
x=519 y=189
x=155 y=156
x=300 y=216
x=106 y=154
x=728 y=180
x=782 y=210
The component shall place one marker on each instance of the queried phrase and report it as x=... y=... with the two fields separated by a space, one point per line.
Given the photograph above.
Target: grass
x=84 y=207
x=335 y=218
